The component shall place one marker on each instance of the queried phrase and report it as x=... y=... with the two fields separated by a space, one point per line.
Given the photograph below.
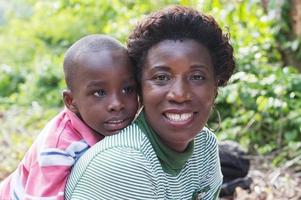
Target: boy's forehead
x=82 y=51
x=102 y=69
x=102 y=56
x=104 y=60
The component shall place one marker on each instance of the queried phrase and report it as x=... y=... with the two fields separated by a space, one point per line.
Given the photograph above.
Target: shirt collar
x=88 y=134
x=172 y=162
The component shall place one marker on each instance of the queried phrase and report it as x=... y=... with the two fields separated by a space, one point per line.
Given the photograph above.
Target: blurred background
x=260 y=108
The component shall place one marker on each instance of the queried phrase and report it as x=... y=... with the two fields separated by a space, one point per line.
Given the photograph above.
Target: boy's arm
x=118 y=173
x=47 y=182
x=48 y=173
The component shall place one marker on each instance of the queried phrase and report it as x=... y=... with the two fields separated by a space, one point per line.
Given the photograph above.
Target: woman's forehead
x=188 y=50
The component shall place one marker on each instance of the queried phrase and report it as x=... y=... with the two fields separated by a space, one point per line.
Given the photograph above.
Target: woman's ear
x=216 y=93
x=216 y=88
x=69 y=101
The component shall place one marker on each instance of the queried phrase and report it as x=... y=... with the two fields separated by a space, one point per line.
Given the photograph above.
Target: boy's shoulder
x=53 y=130
x=64 y=129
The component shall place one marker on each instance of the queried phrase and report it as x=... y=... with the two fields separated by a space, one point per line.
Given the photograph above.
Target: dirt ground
x=270 y=183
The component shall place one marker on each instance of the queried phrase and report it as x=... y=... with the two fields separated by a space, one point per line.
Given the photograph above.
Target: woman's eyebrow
x=200 y=66
x=159 y=68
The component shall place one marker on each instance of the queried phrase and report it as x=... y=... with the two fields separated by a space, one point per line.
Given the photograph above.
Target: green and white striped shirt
x=125 y=166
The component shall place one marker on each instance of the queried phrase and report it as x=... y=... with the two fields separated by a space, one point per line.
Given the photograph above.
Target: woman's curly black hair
x=178 y=23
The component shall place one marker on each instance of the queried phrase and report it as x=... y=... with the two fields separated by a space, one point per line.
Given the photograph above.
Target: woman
x=181 y=58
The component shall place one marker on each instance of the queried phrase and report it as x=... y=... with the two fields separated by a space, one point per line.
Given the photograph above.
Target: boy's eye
x=128 y=90
x=99 y=93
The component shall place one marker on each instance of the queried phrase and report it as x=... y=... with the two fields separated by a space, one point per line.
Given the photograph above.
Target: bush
x=262 y=111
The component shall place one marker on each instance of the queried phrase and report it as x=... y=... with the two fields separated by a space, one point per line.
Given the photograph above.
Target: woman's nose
x=115 y=103
x=179 y=91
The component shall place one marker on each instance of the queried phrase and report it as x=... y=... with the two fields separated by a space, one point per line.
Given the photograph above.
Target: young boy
x=101 y=99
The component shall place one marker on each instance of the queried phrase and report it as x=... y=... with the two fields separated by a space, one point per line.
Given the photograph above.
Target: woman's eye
x=162 y=77
x=128 y=90
x=99 y=93
x=197 y=77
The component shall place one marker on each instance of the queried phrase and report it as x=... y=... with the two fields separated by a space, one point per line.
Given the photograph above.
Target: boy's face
x=104 y=91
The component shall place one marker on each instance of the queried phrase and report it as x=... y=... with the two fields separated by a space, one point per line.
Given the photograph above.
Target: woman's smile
x=174 y=117
x=178 y=119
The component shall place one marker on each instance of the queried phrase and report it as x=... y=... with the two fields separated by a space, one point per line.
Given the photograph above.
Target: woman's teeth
x=178 y=117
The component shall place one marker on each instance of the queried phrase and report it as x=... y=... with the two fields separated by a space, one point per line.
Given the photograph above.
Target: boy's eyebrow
x=92 y=83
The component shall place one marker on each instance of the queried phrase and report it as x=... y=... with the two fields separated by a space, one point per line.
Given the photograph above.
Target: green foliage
x=262 y=111
x=250 y=32
x=9 y=80
x=287 y=42
x=44 y=85
x=261 y=106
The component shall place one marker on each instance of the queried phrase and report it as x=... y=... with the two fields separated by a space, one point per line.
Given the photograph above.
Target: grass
x=19 y=126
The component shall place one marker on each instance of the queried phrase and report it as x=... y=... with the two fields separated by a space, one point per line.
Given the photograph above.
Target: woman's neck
x=177 y=147
x=172 y=160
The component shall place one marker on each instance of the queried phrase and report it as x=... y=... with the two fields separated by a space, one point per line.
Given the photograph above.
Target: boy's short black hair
x=178 y=23
x=87 y=44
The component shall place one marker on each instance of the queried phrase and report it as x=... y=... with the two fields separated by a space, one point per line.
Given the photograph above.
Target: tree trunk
x=296 y=17
x=289 y=36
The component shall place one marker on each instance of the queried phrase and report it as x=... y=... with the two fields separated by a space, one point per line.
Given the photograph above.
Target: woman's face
x=178 y=90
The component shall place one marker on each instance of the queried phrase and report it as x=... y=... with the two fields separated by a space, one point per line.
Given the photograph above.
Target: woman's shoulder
x=206 y=141
x=131 y=137
x=206 y=155
x=123 y=155
x=206 y=135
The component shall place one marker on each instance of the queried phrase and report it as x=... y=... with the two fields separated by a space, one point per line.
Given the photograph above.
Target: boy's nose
x=115 y=104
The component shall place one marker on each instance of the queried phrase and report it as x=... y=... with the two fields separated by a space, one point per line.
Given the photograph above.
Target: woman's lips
x=179 y=120
x=178 y=117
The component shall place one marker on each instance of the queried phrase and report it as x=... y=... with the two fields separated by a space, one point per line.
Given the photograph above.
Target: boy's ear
x=69 y=101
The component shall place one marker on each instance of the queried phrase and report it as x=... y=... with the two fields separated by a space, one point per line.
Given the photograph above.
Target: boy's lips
x=114 y=125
